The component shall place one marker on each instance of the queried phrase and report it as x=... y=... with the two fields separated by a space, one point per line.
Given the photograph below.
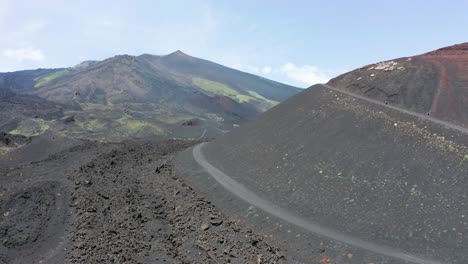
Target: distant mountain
x=150 y=77
x=171 y=96
x=435 y=83
x=24 y=80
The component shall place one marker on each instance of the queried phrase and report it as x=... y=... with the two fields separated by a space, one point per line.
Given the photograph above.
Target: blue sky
x=296 y=42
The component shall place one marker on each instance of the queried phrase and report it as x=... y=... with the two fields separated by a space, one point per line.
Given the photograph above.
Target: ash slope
x=23 y=117
x=23 y=80
x=358 y=168
x=435 y=83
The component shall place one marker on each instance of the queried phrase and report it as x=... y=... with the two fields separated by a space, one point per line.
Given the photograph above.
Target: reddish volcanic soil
x=435 y=83
x=455 y=50
x=452 y=89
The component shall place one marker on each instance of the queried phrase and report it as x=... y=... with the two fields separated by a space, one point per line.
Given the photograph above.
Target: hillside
x=127 y=78
x=24 y=80
x=342 y=179
x=24 y=116
x=435 y=83
x=171 y=96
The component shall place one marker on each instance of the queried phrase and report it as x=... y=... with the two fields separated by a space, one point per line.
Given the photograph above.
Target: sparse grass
x=31 y=128
x=136 y=127
x=50 y=77
x=222 y=89
x=261 y=98
x=92 y=125
x=215 y=117
x=242 y=98
x=5 y=150
x=126 y=119
x=215 y=87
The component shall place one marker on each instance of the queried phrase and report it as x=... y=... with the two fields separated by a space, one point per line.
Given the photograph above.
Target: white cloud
x=290 y=73
x=306 y=74
x=267 y=70
x=25 y=54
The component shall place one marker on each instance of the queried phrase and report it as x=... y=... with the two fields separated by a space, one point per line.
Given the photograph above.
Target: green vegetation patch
x=31 y=128
x=137 y=127
x=5 y=150
x=215 y=87
x=261 y=98
x=50 y=77
x=215 y=117
x=222 y=89
x=91 y=125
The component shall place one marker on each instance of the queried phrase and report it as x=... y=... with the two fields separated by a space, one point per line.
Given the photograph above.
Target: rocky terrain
x=435 y=83
x=117 y=203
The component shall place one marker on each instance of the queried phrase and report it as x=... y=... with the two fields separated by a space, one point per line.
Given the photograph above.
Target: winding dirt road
x=269 y=207
x=421 y=116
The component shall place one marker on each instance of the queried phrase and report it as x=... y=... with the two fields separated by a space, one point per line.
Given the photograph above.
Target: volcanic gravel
x=117 y=203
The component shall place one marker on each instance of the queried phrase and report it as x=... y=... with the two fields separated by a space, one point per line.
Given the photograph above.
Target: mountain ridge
x=125 y=96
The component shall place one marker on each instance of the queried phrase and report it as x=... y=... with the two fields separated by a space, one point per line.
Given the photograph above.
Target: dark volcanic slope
x=25 y=119
x=185 y=65
x=435 y=83
x=16 y=107
x=176 y=81
x=157 y=96
x=363 y=170
x=146 y=96
x=23 y=80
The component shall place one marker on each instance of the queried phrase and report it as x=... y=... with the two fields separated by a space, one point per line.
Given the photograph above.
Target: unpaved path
x=252 y=198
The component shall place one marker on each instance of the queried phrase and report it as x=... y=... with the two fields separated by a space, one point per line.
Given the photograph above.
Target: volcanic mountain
x=435 y=83
x=343 y=179
x=171 y=96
